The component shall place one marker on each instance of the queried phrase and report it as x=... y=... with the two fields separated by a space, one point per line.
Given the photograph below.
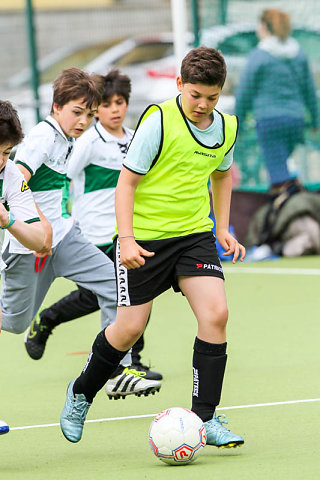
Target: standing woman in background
x=277 y=86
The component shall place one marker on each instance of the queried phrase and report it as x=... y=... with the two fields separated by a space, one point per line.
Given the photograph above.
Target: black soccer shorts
x=189 y=255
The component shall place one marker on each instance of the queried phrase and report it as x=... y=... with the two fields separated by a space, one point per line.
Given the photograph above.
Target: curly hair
x=114 y=83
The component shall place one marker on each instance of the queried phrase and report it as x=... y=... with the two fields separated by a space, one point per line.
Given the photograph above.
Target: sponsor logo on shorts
x=208 y=266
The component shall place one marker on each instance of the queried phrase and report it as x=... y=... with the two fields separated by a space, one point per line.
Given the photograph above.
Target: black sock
x=101 y=363
x=118 y=371
x=49 y=319
x=75 y=305
x=209 y=362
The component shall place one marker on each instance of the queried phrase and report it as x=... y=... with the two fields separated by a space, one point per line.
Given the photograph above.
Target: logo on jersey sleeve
x=24 y=186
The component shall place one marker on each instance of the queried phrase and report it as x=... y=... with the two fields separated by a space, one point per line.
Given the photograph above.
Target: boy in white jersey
x=94 y=168
x=42 y=158
x=165 y=237
x=18 y=213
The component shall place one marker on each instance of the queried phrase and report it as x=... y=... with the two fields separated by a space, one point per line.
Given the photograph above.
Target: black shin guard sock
x=209 y=362
x=49 y=319
x=102 y=361
x=75 y=305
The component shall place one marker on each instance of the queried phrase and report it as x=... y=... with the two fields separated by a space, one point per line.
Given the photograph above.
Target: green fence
x=230 y=25
x=225 y=24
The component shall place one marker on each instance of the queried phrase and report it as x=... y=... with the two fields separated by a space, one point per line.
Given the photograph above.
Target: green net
x=75 y=33
x=236 y=38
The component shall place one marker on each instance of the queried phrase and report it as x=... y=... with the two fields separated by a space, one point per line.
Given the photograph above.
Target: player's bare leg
x=129 y=325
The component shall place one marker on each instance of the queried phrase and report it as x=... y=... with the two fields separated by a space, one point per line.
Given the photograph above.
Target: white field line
x=133 y=417
x=273 y=271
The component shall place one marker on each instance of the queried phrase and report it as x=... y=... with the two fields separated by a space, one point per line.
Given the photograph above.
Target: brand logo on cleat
x=32 y=333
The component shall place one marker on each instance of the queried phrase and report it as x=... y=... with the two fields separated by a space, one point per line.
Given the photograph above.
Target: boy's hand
x=42 y=255
x=231 y=245
x=131 y=254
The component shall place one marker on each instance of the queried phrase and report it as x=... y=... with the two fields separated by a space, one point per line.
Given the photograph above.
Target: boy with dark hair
x=94 y=167
x=18 y=213
x=10 y=127
x=165 y=238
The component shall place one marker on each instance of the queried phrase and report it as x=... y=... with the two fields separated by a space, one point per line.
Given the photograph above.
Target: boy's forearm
x=124 y=201
x=31 y=235
x=221 y=197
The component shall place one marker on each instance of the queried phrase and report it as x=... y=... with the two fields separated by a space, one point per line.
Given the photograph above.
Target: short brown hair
x=114 y=83
x=73 y=83
x=10 y=126
x=204 y=65
x=277 y=22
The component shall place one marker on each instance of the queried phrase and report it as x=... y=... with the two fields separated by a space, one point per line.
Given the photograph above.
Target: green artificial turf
x=273 y=347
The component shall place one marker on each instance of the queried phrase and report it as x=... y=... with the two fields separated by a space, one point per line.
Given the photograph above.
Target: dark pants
x=278 y=137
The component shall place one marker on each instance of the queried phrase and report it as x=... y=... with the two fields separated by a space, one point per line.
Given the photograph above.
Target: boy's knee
x=219 y=317
x=136 y=330
x=14 y=328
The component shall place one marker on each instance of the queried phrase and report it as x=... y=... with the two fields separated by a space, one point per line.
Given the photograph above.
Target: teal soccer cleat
x=73 y=415
x=220 y=436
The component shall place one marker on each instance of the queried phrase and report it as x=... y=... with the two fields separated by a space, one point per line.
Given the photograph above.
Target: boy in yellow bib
x=165 y=238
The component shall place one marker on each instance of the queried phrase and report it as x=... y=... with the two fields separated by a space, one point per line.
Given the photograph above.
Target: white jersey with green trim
x=45 y=153
x=94 y=167
x=16 y=196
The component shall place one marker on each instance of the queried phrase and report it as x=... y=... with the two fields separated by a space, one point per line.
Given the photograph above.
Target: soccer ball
x=177 y=435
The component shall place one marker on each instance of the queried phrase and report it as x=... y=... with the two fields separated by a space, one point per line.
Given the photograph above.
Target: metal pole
x=223 y=11
x=195 y=22
x=34 y=78
x=178 y=13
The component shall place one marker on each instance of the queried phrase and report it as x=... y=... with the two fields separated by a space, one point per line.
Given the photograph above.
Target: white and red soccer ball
x=177 y=436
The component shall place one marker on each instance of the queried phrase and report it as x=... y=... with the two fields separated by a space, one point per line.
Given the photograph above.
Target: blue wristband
x=12 y=219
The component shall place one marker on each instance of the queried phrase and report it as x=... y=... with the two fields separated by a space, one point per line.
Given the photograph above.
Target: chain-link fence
x=73 y=32
x=236 y=39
